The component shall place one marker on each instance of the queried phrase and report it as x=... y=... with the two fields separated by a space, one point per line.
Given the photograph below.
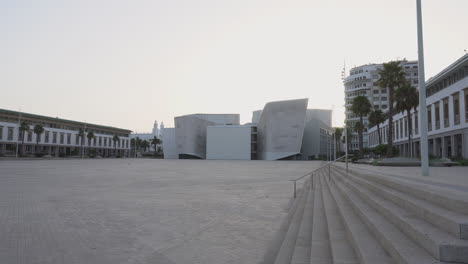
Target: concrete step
x=449 y=221
x=274 y=248
x=442 y=245
x=399 y=246
x=452 y=200
x=301 y=253
x=366 y=246
x=342 y=251
x=287 y=246
x=320 y=244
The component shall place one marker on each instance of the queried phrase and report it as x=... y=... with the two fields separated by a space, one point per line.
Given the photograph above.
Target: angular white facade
x=317 y=140
x=169 y=143
x=280 y=129
x=229 y=142
x=190 y=132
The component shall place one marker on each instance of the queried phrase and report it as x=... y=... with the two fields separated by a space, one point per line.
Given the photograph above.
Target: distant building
x=447 y=114
x=169 y=143
x=362 y=80
x=60 y=137
x=190 y=132
x=231 y=142
x=282 y=130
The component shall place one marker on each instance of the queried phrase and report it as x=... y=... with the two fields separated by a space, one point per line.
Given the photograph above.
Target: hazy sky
x=127 y=63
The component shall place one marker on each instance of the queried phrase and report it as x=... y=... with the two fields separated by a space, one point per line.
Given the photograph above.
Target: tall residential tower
x=362 y=80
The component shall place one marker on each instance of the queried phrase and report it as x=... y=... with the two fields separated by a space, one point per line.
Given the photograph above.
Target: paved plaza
x=142 y=211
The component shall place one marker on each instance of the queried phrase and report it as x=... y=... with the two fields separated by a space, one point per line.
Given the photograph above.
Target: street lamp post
x=422 y=96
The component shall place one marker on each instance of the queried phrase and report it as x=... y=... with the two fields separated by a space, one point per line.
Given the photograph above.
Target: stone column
x=441 y=114
x=453 y=146
x=444 y=147
x=461 y=99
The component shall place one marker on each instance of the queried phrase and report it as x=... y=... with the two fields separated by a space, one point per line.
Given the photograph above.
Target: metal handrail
x=320 y=168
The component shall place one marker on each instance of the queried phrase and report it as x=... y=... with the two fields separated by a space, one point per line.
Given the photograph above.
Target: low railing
x=328 y=165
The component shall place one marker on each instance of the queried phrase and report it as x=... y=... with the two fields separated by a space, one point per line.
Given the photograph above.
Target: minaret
x=161 y=129
x=155 y=129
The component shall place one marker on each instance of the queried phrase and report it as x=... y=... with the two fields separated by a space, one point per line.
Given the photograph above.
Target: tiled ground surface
x=142 y=211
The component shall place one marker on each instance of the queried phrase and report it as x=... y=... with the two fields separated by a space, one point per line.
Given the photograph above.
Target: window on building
x=30 y=133
x=1 y=132
x=446 y=112
x=54 y=137
x=68 y=138
x=62 y=138
x=10 y=133
x=376 y=91
x=383 y=90
x=429 y=118
x=384 y=106
x=46 y=137
x=384 y=98
x=437 y=115
x=466 y=104
x=105 y=142
x=456 y=108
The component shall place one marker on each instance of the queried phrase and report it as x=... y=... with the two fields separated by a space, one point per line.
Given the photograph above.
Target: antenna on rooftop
x=343 y=73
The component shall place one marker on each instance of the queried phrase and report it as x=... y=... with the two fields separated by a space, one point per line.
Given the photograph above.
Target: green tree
x=115 y=138
x=24 y=126
x=392 y=77
x=349 y=135
x=38 y=130
x=377 y=117
x=407 y=98
x=90 y=137
x=155 y=142
x=338 y=135
x=144 y=144
x=81 y=135
x=361 y=107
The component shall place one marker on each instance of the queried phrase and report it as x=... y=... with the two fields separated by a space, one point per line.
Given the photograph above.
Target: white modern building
x=282 y=130
x=169 y=143
x=60 y=137
x=231 y=142
x=362 y=80
x=447 y=112
x=317 y=141
x=190 y=132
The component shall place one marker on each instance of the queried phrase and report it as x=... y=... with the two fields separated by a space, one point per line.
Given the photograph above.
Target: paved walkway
x=142 y=211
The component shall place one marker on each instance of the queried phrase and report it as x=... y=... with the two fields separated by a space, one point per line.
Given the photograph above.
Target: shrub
x=39 y=154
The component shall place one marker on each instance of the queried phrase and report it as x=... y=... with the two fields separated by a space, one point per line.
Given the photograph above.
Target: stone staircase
x=358 y=217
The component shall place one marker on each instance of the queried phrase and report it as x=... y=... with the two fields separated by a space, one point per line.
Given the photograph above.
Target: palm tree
x=338 y=135
x=144 y=144
x=24 y=126
x=155 y=142
x=81 y=134
x=361 y=107
x=115 y=138
x=349 y=134
x=377 y=117
x=38 y=130
x=90 y=136
x=407 y=98
x=391 y=77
